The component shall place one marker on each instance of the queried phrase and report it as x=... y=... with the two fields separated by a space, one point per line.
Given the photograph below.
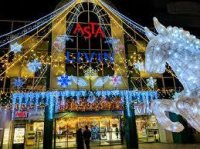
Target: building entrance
x=105 y=130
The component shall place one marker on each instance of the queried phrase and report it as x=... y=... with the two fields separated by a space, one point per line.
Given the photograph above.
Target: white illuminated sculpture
x=181 y=51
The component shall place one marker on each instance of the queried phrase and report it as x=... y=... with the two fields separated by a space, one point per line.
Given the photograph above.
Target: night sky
x=139 y=10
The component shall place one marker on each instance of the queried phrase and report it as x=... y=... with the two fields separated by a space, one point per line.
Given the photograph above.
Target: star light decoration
x=64 y=81
x=139 y=66
x=16 y=47
x=18 y=82
x=34 y=65
x=60 y=42
x=151 y=82
x=90 y=73
x=116 y=80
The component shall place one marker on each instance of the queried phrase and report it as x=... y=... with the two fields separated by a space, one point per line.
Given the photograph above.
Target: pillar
x=48 y=115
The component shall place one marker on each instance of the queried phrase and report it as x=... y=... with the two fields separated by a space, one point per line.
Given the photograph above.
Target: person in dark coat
x=79 y=139
x=87 y=136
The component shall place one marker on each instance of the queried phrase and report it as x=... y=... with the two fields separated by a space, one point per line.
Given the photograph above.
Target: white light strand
x=32 y=26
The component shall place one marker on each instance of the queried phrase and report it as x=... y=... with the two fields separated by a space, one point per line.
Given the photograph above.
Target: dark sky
x=141 y=11
x=34 y=9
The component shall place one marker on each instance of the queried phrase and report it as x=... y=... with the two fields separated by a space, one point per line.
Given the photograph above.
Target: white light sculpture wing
x=79 y=81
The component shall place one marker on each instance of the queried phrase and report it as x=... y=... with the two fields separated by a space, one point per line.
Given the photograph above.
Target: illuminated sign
x=79 y=57
x=19 y=136
x=21 y=114
x=92 y=29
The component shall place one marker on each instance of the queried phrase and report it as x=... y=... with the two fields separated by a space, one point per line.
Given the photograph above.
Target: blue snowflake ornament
x=34 y=65
x=15 y=48
x=64 y=81
x=18 y=82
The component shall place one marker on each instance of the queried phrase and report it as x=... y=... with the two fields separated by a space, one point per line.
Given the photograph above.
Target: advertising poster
x=19 y=135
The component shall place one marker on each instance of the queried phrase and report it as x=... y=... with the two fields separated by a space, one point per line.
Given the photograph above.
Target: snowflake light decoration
x=16 y=47
x=64 y=81
x=90 y=73
x=67 y=38
x=151 y=82
x=18 y=82
x=116 y=80
x=112 y=41
x=60 y=41
x=118 y=49
x=139 y=66
x=34 y=65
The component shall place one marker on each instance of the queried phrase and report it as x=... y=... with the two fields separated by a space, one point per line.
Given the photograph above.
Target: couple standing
x=86 y=135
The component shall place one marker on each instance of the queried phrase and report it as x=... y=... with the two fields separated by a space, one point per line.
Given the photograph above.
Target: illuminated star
x=15 y=48
x=34 y=65
x=64 y=81
x=18 y=82
x=151 y=82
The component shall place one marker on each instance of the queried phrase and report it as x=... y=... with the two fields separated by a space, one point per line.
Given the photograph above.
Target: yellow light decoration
x=90 y=73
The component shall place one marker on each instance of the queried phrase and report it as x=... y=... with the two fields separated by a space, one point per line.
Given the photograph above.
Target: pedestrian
x=87 y=136
x=117 y=132
x=79 y=139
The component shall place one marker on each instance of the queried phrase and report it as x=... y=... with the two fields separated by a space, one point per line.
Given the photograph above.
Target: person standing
x=87 y=136
x=79 y=139
x=117 y=132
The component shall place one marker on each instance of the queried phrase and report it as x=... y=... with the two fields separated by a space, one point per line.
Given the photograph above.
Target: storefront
x=147 y=128
x=105 y=128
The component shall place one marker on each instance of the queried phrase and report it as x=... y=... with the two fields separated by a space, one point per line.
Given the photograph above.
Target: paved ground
x=147 y=146
x=156 y=146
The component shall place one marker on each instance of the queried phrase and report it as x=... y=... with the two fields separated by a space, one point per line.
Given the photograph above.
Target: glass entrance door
x=105 y=130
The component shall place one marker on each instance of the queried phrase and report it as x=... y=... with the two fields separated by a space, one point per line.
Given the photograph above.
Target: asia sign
x=90 y=30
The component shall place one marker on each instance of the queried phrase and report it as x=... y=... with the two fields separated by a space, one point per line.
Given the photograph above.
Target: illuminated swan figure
x=181 y=51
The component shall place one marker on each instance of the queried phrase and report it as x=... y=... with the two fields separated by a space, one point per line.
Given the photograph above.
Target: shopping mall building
x=85 y=81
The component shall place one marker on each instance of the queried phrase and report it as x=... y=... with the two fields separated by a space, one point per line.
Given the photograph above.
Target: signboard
x=90 y=30
x=36 y=115
x=21 y=114
x=19 y=135
x=100 y=57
